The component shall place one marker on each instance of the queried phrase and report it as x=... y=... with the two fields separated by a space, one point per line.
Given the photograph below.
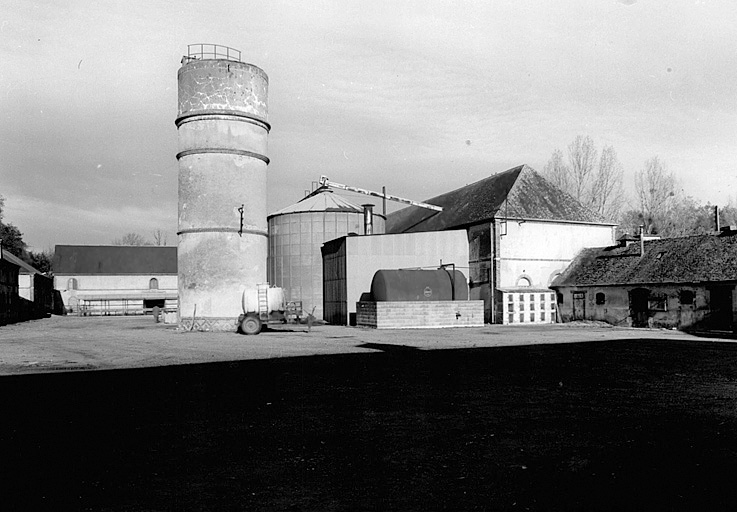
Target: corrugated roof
x=519 y=193
x=115 y=259
x=322 y=200
x=692 y=259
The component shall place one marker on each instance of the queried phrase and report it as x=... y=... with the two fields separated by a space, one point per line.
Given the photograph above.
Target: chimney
x=642 y=240
x=368 y=219
x=716 y=219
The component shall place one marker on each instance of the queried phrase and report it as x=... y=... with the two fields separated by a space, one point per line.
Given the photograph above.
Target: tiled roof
x=519 y=193
x=322 y=200
x=115 y=259
x=692 y=259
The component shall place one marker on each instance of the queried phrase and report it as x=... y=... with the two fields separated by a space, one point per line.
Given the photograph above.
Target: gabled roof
x=25 y=268
x=115 y=259
x=519 y=193
x=691 y=259
x=321 y=200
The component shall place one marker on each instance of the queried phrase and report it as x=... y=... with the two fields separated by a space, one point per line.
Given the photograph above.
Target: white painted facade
x=122 y=294
x=532 y=252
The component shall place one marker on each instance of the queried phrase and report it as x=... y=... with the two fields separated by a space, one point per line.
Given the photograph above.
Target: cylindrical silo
x=223 y=129
x=296 y=234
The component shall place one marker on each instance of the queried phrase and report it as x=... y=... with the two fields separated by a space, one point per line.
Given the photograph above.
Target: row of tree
x=659 y=203
x=158 y=238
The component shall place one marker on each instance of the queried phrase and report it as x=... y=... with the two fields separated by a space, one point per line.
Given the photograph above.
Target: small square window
x=686 y=297
x=600 y=299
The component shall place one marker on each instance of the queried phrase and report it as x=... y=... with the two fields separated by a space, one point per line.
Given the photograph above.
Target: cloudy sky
x=420 y=97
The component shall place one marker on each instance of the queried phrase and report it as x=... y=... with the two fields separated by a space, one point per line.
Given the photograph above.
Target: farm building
x=350 y=262
x=296 y=234
x=116 y=279
x=521 y=232
x=25 y=293
x=686 y=283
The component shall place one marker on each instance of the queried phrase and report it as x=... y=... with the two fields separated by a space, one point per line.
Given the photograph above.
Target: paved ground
x=63 y=343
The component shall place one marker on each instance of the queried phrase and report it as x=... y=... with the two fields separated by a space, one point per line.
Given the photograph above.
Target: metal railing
x=201 y=51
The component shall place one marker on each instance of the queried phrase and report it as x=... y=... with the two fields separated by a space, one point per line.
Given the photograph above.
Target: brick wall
x=419 y=314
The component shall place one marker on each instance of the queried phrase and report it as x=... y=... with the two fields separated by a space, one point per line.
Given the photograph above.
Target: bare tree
x=557 y=172
x=131 y=239
x=657 y=191
x=160 y=237
x=598 y=187
x=581 y=158
x=607 y=194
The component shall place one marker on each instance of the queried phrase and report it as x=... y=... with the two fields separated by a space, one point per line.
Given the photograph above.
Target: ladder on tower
x=263 y=301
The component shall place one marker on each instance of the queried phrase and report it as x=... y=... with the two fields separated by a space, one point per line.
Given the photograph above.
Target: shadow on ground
x=617 y=425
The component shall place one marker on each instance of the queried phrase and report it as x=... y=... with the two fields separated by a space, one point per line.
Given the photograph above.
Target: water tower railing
x=201 y=51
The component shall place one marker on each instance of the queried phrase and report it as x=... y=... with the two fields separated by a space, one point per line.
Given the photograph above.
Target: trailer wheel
x=251 y=325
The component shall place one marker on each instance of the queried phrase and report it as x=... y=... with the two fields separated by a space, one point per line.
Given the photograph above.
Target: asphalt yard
x=494 y=418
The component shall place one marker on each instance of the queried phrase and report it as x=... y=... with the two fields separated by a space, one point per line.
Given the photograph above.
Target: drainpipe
x=368 y=219
x=642 y=241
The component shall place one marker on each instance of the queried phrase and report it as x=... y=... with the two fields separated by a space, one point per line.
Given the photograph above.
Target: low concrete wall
x=420 y=314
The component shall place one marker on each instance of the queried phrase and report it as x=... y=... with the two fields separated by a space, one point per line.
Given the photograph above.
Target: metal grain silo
x=296 y=234
x=223 y=129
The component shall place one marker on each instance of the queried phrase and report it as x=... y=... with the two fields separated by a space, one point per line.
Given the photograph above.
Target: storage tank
x=222 y=127
x=274 y=299
x=418 y=285
x=296 y=235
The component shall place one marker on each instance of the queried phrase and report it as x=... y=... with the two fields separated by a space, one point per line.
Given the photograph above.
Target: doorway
x=639 y=311
x=720 y=304
x=579 y=305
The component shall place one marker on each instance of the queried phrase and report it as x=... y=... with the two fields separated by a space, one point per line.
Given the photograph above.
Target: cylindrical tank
x=223 y=129
x=418 y=285
x=296 y=234
x=274 y=299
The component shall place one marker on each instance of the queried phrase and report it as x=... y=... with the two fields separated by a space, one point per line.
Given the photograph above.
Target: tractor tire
x=251 y=325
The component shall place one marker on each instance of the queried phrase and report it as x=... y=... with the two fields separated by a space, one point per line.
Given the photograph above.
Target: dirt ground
x=344 y=419
x=63 y=343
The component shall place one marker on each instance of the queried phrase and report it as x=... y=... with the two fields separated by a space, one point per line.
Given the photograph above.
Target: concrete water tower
x=223 y=130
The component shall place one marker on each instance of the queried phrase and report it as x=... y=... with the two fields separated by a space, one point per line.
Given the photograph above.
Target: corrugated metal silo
x=296 y=234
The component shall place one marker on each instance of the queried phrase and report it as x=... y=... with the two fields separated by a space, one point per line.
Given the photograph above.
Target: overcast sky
x=421 y=97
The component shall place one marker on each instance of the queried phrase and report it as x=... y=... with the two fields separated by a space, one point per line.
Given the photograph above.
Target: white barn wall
x=114 y=285
x=540 y=250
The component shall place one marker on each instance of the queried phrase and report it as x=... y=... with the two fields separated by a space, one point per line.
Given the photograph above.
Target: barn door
x=579 y=305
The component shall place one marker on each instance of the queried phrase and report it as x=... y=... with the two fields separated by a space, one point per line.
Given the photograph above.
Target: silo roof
x=322 y=200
